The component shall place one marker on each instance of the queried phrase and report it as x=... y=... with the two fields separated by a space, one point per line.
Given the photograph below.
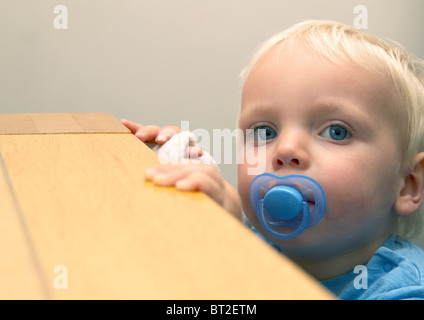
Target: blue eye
x=336 y=132
x=264 y=133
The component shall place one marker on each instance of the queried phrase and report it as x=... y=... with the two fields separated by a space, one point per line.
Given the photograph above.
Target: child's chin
x=307 y=240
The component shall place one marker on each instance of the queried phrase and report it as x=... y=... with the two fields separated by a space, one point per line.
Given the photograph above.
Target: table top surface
x=80 y=222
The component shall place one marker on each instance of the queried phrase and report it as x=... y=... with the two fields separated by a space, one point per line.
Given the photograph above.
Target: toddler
x=332 y=103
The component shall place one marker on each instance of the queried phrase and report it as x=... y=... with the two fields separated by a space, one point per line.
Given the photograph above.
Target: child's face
x=335 y=124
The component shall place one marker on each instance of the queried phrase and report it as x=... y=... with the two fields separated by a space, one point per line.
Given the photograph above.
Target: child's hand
x=201 y=177
x=151 y=134
x=187 y=177
x=158 y=135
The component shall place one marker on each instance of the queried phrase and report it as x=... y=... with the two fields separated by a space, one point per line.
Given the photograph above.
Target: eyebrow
x=255 y=111
x=359 y=119
x=332 y=105
x=339 y=106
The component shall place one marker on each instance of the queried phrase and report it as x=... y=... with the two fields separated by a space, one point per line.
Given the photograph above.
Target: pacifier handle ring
x=284 y=236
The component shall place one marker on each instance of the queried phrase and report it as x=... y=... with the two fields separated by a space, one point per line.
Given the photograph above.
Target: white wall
x=160 y=61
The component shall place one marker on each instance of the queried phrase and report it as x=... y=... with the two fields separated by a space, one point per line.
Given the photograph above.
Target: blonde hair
x=335 y=42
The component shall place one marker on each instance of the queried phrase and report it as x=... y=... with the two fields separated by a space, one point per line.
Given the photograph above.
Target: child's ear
x=412 y=194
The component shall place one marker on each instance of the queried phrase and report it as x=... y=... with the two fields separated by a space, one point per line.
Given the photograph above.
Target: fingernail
x=162 y=138
x=150 y=173
x=139 y=135
x=181 y=184
x=159 y=179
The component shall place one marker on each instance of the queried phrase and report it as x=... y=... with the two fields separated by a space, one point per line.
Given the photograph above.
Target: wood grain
x=86 y=207
x=51 y=123
x=19 y=276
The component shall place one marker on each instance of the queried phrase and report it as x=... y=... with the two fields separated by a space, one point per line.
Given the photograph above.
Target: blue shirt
x=395 y=272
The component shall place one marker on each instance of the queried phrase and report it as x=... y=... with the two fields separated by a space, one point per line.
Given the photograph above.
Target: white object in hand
x=174 y=150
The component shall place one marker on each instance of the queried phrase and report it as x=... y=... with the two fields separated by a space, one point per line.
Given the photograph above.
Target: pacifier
x=294 y=201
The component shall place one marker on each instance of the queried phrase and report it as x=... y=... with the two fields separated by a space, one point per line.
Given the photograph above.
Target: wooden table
x=78 y=221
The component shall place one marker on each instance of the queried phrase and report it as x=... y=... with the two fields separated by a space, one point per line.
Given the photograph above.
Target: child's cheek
x=244 y=181
x=349 y=199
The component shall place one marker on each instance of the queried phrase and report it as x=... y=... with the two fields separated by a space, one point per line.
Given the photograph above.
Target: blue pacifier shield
x=294 y=201
x=283 y=195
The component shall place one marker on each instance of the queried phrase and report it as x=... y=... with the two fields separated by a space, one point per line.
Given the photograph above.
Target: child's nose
x=290 y=153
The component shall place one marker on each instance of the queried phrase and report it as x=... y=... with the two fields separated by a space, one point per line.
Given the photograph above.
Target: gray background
x=160 y=61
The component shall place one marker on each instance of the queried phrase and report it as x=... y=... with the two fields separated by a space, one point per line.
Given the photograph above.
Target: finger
x=166 y=133
x=168 y=175
x=186 y=165
x=193 y=152
x=149 y=174
x=216 y=188
x=148 y=133
x=192 y=177
x=199 y=181
x=144 y=133
x=132 y=126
